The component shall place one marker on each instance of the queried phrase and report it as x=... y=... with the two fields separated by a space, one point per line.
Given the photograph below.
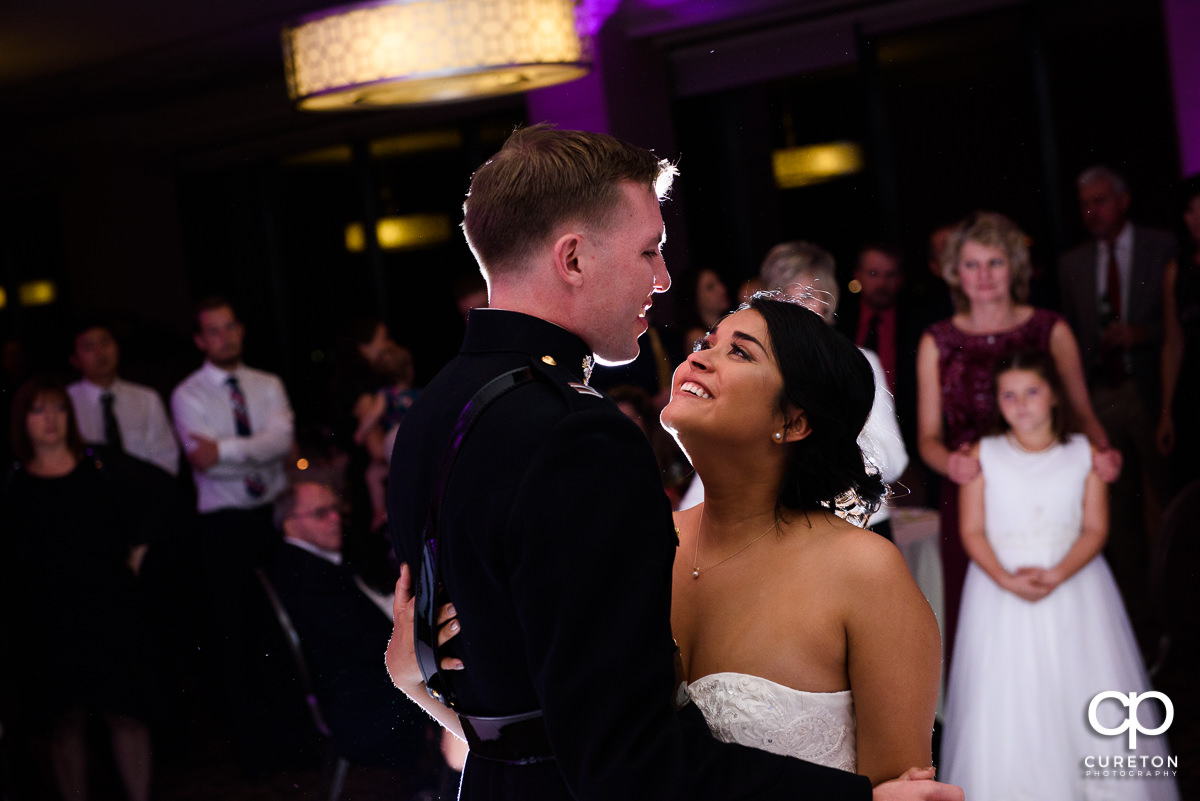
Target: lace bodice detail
x=756 y=712
x=1033 y=502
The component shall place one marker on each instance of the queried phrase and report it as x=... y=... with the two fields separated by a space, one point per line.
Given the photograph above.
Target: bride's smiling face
x=730 y=386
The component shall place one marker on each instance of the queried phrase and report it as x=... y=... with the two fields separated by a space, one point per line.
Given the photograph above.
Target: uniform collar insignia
x=588 y=363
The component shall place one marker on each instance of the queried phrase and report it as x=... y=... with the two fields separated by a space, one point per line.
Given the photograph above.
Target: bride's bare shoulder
x=854 y=553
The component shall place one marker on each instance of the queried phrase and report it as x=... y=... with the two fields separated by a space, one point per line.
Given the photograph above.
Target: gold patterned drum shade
x=430 y=51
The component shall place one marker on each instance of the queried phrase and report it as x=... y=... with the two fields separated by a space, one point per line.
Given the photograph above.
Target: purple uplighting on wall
x=578 y=104
x=1183 y=29
x=581 y=103
x=591 y=15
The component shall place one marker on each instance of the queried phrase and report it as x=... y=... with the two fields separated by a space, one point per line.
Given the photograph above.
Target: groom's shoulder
x=537 y=397
x=549 y=392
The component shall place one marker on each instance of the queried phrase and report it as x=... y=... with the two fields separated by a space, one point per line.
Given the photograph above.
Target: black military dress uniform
x=556 y=546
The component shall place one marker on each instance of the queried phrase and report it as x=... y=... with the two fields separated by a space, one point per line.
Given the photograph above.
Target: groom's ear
x=566 y=253
x=797 y=427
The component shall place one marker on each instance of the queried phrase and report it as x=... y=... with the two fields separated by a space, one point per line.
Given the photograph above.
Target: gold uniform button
x=550 y=361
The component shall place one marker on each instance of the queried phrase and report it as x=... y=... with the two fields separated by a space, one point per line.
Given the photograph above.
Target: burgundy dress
x=965 y=364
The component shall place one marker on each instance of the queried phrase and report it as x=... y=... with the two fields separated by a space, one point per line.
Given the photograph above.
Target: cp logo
x=1131 y=723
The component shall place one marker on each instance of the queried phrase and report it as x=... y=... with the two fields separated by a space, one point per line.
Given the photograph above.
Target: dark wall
x=998 y=111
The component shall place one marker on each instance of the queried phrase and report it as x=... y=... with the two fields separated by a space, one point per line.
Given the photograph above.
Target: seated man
x=343 y=632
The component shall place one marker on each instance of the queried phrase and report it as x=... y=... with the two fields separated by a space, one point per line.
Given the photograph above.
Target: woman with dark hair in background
x=1178 y=425
x=356 y=403
x=75 y=643
x=710 y=302
x=672 y=465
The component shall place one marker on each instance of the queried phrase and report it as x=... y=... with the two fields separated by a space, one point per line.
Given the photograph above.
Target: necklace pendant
x=695 y=573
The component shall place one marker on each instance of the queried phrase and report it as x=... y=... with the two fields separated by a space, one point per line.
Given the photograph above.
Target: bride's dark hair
x=826 y=376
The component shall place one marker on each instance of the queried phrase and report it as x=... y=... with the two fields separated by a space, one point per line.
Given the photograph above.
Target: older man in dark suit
x=1111 y=290
x=343 y=632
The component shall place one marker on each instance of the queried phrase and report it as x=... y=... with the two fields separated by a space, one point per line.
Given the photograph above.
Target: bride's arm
x=893 y=654
x=401 y=657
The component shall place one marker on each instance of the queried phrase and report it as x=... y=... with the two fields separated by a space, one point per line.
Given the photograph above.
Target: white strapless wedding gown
x=752 y=711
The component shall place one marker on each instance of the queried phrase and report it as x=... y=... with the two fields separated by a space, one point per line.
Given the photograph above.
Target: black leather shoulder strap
x=430 y=593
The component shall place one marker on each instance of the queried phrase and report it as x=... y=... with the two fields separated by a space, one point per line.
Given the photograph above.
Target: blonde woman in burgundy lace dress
x=986 y=263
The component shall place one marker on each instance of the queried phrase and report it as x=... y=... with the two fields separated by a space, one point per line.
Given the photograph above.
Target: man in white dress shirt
x=235 y=424
x=114 y=412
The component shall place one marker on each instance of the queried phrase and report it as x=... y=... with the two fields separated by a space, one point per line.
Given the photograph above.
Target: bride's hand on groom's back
x=916 y=784
x=401 y=656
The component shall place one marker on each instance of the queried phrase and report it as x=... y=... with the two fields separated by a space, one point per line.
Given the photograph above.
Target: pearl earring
x=779 y=436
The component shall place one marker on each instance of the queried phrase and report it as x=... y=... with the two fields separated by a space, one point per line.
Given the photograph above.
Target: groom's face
x=625 y=269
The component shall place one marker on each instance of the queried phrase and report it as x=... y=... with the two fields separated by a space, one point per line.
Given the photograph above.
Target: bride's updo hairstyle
x=825 y=375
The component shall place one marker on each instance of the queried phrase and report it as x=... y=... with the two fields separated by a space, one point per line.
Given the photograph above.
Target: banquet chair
x=1174 y=581
x=334 y=764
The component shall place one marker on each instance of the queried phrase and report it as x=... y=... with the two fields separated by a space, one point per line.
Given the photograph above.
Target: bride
x=799 y=632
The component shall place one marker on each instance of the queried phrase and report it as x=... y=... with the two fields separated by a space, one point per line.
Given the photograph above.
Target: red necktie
x=871 y=337
x=1114 y=281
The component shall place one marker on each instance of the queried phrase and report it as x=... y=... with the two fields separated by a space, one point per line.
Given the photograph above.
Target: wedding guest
x=379 y=418
x=1178 y=425
x=986 y=264
x=356 y=394
x=1043 y=630
x=1111 y=290
x=470 y=292
x=343 y=627
x=112 y=411
x=672 y=464
x=75 y=643
x=709 y=303
x=930 y=294
x=884 y=316
x=235 y=423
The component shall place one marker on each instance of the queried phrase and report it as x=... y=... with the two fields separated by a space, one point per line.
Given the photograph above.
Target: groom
x=553 y=538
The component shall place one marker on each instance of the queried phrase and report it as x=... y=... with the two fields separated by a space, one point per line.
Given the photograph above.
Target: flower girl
x=1042 y=627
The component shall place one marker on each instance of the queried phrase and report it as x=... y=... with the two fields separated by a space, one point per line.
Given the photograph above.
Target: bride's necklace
x=696 y=551
x=1016 y=444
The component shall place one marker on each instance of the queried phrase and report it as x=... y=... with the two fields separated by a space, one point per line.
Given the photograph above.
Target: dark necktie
x=871 y=339
x=241 y=422
x=1113 y=360
x=112 y=430
x=1114 y=282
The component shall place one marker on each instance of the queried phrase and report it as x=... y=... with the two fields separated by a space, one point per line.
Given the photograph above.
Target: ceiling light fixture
x=412 y=52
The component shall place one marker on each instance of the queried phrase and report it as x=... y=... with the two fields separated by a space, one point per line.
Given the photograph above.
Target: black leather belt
x=514 y=739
